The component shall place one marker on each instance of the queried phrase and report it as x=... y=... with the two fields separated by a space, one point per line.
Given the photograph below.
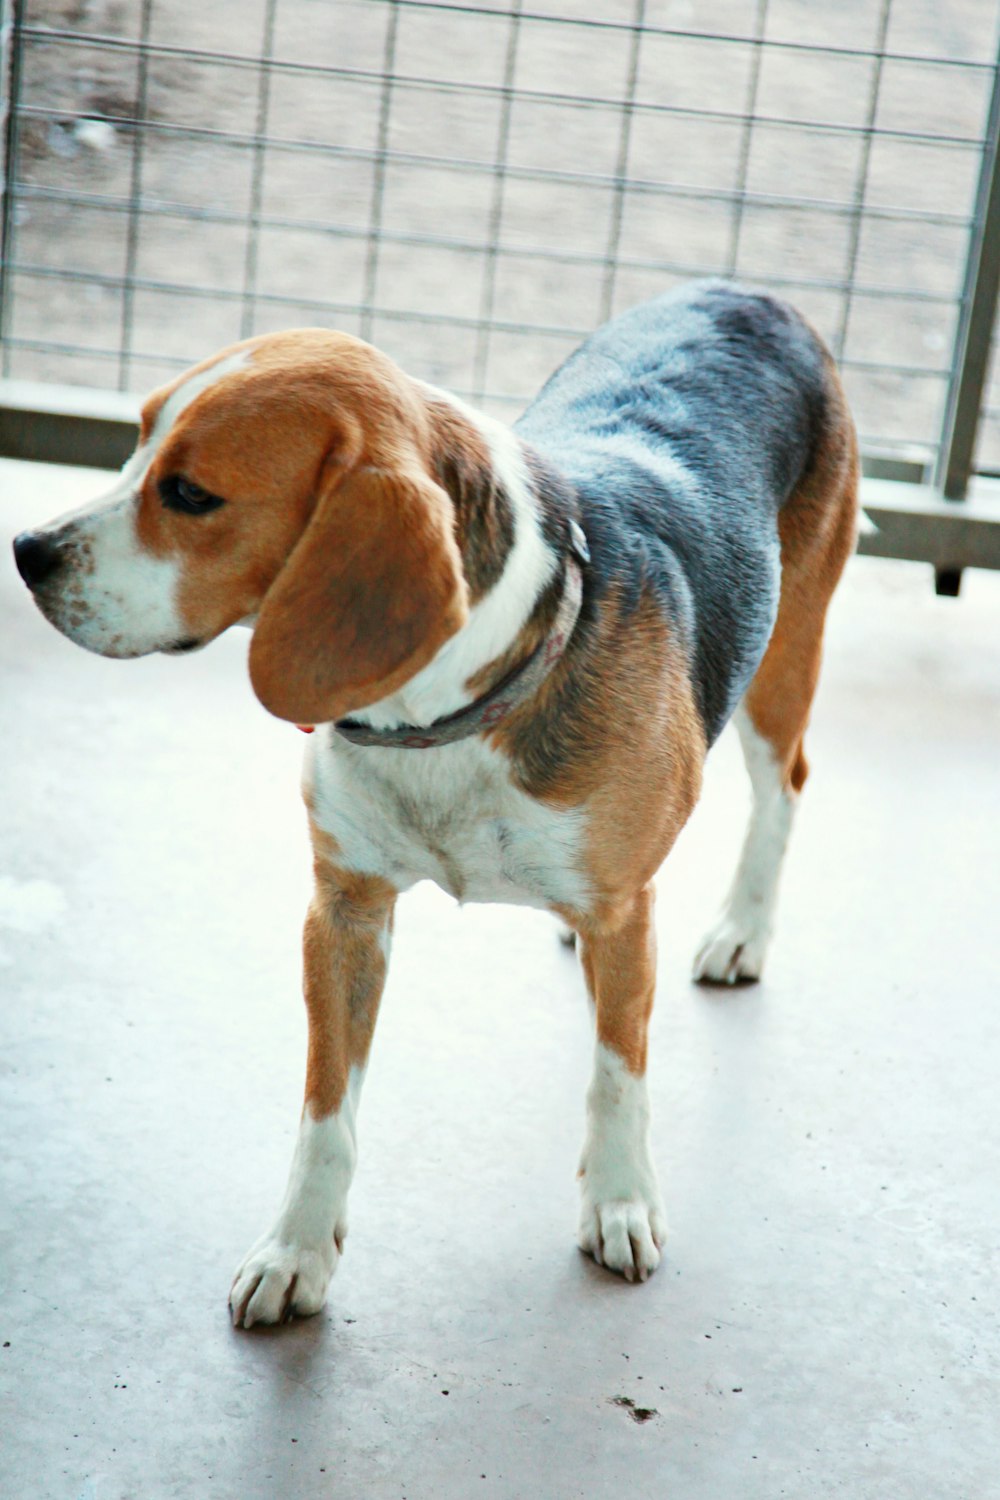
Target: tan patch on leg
x=818 y=528
x=344 y=948
x=618 y=732
x=619 y=963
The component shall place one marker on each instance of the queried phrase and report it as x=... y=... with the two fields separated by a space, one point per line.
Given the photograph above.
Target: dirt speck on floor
x=638 y=1414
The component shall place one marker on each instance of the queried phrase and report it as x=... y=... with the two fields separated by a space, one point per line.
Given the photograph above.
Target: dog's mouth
x=181 y=648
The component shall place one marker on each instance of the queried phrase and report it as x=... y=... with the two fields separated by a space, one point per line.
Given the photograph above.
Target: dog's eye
x=178 y=493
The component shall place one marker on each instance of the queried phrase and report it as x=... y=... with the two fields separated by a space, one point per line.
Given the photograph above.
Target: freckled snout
x=92 y=579
x=37 y=557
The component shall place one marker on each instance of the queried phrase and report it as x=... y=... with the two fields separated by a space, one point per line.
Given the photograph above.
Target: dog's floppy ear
x=372 y=589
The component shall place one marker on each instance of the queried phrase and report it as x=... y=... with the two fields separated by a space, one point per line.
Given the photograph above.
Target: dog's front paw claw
x=733 y=951
x=626 y=1235
x=279 y=1281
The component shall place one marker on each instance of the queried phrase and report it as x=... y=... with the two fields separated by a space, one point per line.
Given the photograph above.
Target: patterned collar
x=512 y=690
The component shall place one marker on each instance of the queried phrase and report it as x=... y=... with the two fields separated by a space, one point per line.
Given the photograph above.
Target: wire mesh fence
x=475 y=186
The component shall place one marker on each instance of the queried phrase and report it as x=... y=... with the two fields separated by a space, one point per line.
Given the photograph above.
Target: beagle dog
x=515 y=647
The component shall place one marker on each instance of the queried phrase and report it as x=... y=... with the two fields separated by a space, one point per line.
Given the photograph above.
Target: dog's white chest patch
x=451 y=815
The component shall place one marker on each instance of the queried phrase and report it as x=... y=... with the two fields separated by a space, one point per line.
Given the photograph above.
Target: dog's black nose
x=36 y=557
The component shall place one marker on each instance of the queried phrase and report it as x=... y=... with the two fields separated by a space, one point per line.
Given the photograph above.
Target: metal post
x=11 y=20
x=621 y=170
x=134 y=196
x=487 y=296
x=970 y=361
x=247 y=320
x=367 y=322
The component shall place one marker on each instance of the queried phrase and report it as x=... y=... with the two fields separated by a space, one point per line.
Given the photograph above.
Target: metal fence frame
x=918 y=515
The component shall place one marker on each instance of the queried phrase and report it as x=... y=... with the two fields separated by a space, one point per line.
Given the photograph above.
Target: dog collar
x=513 y=689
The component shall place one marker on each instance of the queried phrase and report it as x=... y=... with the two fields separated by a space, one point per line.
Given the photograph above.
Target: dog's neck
x=512 y=558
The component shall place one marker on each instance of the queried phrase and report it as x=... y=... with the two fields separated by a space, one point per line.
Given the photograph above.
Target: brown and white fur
x=396 y=554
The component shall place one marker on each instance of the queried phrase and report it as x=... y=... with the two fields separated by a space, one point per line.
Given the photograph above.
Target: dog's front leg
x=622 y=1219
x=346 y=951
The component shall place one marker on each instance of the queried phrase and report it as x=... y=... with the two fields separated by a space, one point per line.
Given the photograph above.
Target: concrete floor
x=825 y=1322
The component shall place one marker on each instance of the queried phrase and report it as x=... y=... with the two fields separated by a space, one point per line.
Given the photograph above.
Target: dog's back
x=684 y=426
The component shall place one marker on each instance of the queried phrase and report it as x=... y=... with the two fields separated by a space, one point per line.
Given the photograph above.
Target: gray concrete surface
x=825 y=1322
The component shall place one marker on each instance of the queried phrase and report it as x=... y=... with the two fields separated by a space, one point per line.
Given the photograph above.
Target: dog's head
x=288 y=482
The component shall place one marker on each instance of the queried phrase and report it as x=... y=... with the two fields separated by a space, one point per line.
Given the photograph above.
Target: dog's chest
x=451 y=815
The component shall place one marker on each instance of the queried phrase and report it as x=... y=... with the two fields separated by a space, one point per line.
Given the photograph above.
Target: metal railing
x=475 y=186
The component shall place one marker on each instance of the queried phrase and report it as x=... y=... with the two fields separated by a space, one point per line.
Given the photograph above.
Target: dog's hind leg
x=735 y=947
x=817 y=528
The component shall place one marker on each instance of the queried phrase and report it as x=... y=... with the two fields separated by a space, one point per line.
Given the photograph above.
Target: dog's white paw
x=624 y=1234
x=623 y=1224
x=733 y=950
x=279 y=1280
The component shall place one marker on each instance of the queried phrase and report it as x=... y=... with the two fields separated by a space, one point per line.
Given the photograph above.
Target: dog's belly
x=451 y=815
